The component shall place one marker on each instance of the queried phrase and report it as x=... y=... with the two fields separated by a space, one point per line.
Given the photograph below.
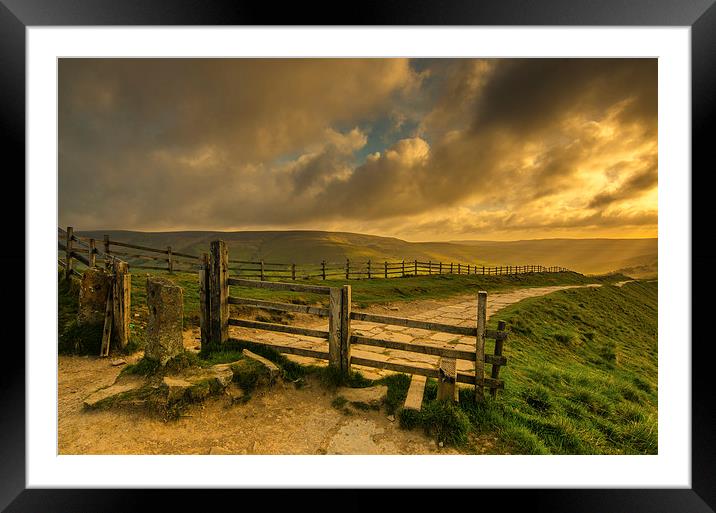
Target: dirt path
x=281 y=420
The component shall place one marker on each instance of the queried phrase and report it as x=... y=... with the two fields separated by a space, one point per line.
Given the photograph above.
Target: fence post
x=68 y=253
x=459 y=268
x=403 y=268
x=450 y=267
x=219 y=292
x=348 y=269
x=204 y=306
x=385 y=265
x=121 y=303
x=430 y=267
x=480 y=345
x=346 y=330
x=334 y=328
x=107 y=259
x=416 y=268
x=369 y=269
x=323 y=269
x=440 y=268
x=495 y=374
x=293 y=272
x=170 y=260
x=262 y=271
x=91 y=254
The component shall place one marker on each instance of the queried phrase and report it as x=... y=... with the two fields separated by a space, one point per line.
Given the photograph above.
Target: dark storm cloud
x=222 y=143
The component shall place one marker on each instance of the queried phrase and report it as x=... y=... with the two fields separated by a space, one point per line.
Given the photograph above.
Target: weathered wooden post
x=107 y=258
x=122 y=302
x=450 y=267
x=483 y=270
x=369 y=269
x=430 y=267
x=499 y=343
x=346 y=330
x=262 y=271
x=440 y=268
x=204 y=305
x=403 y=268
x=68 y=253
x=219 y=292
x=293 y=272
x=385 y=267
x=480 y=345
x=92 y=254
x=459 y=268
x=334 y=328
x=323 y=269
x=416 y=268
x=348 y=269
x=170 y=260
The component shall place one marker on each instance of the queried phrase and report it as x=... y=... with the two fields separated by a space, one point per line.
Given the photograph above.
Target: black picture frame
x=700 y=15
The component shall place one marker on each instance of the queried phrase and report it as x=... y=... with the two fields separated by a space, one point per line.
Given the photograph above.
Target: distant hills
x=589 y=256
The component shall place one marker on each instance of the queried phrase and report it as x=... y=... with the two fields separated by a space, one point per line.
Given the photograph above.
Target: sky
x=419 y=149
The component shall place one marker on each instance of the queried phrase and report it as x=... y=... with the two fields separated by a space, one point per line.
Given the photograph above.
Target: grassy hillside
x=582 y=373
x=593 y=256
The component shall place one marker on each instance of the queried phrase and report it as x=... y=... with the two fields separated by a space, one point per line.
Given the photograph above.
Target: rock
x=94 y=286
x=166 y=313
x=394 y=308
x=176 y=388
x=391 y=418
x=119 y=388
x=118 y=361
x=441 y=444
x=371 y=396
x=222 y=374
x=270 y=366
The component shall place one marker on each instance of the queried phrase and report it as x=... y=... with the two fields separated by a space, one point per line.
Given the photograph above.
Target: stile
x=480 y=345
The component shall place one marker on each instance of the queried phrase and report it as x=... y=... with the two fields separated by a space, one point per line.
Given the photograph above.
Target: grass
x=581 y=379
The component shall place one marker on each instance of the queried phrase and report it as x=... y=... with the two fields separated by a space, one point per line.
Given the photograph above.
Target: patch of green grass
x=581 y=375
x=249 y=373
x=143 y=367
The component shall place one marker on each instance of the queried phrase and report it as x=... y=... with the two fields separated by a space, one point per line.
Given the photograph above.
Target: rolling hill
x=589 y=256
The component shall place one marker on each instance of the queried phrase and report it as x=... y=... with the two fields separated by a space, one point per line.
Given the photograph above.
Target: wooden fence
x=215 y=320
x=118 y=302
x=144 y=257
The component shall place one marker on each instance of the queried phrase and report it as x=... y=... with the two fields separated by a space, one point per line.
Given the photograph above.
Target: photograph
x=357 y=256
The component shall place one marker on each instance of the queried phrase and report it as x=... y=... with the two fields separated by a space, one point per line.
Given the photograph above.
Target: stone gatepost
x=94 y=287
x=165 y=301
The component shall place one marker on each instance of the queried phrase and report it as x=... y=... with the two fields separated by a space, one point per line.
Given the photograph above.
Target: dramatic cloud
x=423 y=149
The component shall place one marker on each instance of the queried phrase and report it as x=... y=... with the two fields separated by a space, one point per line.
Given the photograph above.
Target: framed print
x=420 y=248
